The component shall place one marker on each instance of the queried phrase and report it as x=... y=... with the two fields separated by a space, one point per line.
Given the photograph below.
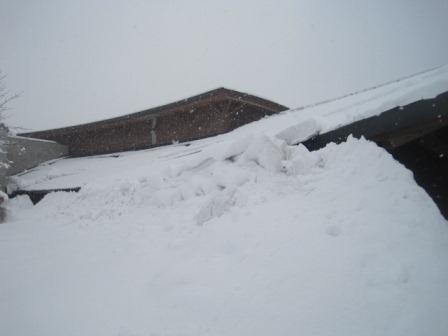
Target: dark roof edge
x=417 y=114
x=232 y=94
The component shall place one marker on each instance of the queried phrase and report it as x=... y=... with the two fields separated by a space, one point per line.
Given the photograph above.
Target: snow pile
x=240 y=234
x=243 y=237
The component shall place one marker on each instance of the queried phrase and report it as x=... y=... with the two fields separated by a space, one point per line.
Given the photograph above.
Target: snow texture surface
x=240 y=234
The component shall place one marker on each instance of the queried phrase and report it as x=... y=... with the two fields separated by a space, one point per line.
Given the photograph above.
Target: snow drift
x=241 y=234
x=267 y=239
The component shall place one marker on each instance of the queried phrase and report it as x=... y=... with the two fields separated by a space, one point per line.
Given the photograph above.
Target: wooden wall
x=186 y=122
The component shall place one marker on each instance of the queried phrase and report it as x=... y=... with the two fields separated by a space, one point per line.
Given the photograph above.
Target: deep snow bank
x=249 y=238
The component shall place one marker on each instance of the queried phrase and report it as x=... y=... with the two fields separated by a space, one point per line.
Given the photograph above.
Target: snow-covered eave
x=369 y=111
x=392 y=128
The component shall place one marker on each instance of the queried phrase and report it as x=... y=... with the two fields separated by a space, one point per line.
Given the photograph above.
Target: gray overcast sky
x=80 y=61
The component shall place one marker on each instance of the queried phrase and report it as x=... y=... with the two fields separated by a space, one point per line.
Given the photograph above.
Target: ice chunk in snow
x=300 y=160
x=237 y=148
x=300 y=132
x=265 y=153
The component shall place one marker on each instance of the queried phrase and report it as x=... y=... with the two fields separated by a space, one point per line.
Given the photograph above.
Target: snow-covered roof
x=293 y=126
x=297 y=125
x=239 y=234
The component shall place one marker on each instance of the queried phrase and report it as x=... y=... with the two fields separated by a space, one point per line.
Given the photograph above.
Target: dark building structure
x=211 y=113
x=415 y=134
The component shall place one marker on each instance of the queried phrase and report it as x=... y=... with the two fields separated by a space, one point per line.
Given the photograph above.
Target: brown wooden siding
x=209 y=114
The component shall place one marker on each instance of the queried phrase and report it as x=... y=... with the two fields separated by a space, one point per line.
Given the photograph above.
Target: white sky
x=85 y=60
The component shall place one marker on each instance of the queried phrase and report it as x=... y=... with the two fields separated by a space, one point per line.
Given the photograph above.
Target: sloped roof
x=219 y=93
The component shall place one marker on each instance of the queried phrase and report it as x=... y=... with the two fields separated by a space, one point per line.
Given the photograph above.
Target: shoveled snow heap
x=252 y=238
x=240 y=234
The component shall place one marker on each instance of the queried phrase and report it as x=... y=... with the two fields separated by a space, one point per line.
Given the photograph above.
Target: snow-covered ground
x=240 y=234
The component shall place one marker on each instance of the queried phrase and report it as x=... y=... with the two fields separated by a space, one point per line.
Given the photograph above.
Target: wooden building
x=211 y=113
